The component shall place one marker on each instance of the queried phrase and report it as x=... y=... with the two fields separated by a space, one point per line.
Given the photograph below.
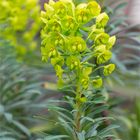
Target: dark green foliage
x=129 y=121
x=93 y=123
x=20 y=94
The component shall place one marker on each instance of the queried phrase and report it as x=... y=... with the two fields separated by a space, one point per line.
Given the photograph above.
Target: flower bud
x=59 y=60
x=52 y=53
x=59 y=71
x=60 y=8
x=44 y=54
x=76 y=44
x=74 y=48
x=108 y=69
x=49 y=10
x=97 y=82
x=73 y=62
x=102 y=20
x=61 y=41
x=94 y=8
x=85 y=18
x=82 y=13
x=71 y=26
x=57 y=39
x=53 y=25
x=87 y=71
x=85 y=82
x=68 y=23
x=99 y=49
x=111 y=42
x=104 y=57
x=71 y=66
x=79 y=47
x=56 y=42
x=83 y=99
x=43 y=14
x=102 y=38
x=79 y=18
x=94 y=32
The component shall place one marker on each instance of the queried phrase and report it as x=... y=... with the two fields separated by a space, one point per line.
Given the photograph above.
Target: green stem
x=98 y=68
x=78 y=113
x=78 y=116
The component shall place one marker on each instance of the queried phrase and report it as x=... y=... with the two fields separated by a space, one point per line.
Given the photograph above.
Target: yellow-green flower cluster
x=22 y=23
x=102 y=41
x=65 y=46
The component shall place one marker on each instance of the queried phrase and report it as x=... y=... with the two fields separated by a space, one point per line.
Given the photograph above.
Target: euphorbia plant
x=74 y=41
x=19 y=22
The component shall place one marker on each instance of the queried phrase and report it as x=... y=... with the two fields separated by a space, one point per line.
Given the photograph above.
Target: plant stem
x=77 y=107
x=77 y=118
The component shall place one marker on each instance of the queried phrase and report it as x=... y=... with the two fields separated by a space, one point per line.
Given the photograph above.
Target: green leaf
x=58 y=137
x=5 y=133
x=98 y=110
x=9 y=117
x=81 y=135
x=67 y=126
x=92 y=131
x=106 y=130
x=120 y=6
x=7 y=138
x=22 y=128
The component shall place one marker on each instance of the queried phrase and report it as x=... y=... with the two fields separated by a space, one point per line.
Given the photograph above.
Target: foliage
x=20 y=97
x=70 y=52
x=129 y=122
x=19 y=24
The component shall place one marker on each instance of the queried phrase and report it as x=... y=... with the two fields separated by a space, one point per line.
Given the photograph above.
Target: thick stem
x=78 y=109
x=78 y=116
x=77 y=119
x=78 y=105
